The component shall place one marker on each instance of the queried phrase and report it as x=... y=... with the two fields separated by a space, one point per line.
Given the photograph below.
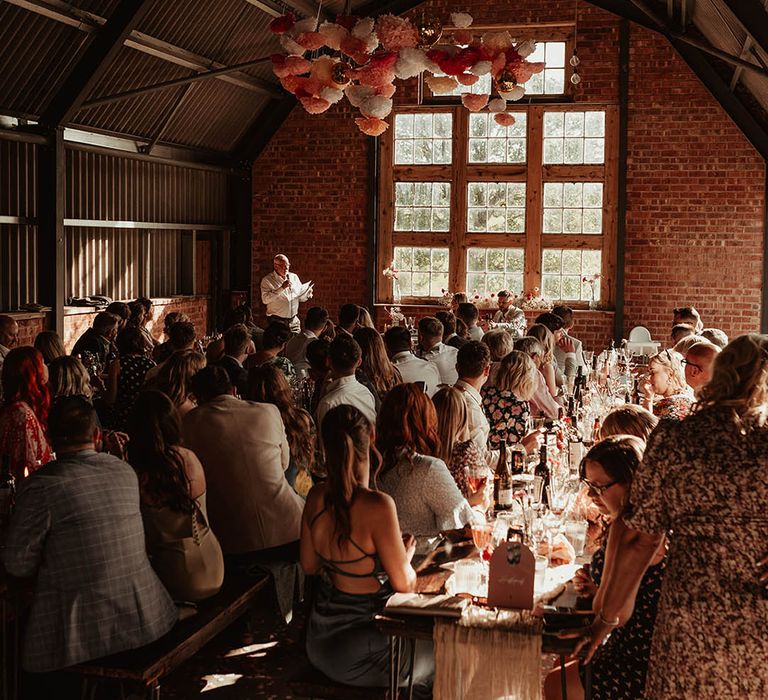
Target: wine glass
x=477 y=477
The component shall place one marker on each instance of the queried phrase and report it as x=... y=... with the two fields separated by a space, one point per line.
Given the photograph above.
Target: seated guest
x=432 y=349
x=77 y=527
x=473 y=363
x=412 y=369
x=273 y=342
x=148 y=312
x=175 y=379
x=317 y=356
x=468 y=313
x=164 y=350
x=126 y=376
x=296 y=348
x=99 y=339
x=138 y=320
x=548 y=366
x=715 y=336
x=450 y=337
x=500 y=343
x=348 y=319
x=682 y=346
x=267 y=384
x=244 y=453
x=689 y=315
x=541 y=402
x=350 y=537
x=364 y=319
x=376 y=369
x=344 y=357
x=566 y=365
x=455 y=447
x=566 y=313
x=665 y=391
x=183 y=550
x=237 y=343
x=680 y=331
x=457 y=299
x=239 y=315
x=49 y=345
x=506 y=403
x=67 y=376
x=698 y=364
x=629 y=419
x=121 y=310
x=181 y=336
x=462 y=331
x=508 y=316
x=427 y=498
x=24 y=412
x=619 y=667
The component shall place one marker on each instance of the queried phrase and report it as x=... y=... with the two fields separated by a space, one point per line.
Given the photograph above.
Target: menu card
x=511 y=576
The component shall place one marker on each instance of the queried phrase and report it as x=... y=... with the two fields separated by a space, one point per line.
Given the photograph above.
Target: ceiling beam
x=753 y=17
x=94 y=62
x=374 y=8
x=267 y=7
x=308 y=8
x=89 y=23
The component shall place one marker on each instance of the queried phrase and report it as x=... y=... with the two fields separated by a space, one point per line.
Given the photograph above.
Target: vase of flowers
x=592 y=280
x=392 y=273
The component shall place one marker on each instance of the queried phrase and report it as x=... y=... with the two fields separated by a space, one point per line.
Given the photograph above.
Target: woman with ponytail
x=351 y=539
x=24 y=413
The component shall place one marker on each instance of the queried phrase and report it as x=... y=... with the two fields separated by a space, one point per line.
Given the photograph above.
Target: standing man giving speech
x=281 y=292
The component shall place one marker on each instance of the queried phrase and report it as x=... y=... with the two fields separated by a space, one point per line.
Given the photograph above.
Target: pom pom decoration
x=304 y=25
x=283 y=66
x=377 y=106
x=497 y=41
x=314 y=105
x=463 y=37
x=347 y=21
x=386 y=90
x=332 y=95
x=311 y=41
x=322 y=69
x=474 y=103
x=497 y=105
x=481 y=68
x=396 y=33
x=363 y=28
x=412 y=62
x=281 y=25
x=371 y=127
x=516 y=93
x=440 y=85
x=525 y=48
x=504 y=119
x=333 y=34
x=357 y=94
x=291 y=47
x=467 y=78
x=462 y=20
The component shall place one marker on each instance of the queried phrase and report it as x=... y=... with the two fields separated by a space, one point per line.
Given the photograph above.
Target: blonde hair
x=547 y=340
x=50 y=346
x=672 y=361
x=499 y=342
x=629 y=420
x=67 y=376
x=452 y=420
x=517 y=374
x=175 y=375
x=740 y=380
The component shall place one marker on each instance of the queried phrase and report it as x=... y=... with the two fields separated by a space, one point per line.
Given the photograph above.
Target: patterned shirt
x=507 y=415
x=675 y=407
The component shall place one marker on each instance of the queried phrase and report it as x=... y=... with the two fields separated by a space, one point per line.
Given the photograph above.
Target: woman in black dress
x=620 y=666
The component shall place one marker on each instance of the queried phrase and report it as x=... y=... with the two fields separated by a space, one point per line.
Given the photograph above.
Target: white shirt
x=346 y=391
x=412 y=369
x=282 y=302
x=444 y=358
x=296 y=349
x=475 y=333
x=568 y=363
x=479 y=428
x=512 y=320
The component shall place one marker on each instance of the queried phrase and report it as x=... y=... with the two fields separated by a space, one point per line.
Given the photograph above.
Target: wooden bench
x=148 y=664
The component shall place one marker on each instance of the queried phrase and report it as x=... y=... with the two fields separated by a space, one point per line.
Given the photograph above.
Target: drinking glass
x=467 y=576
x=482 y=533
x=477 y=477
x=540 y=573
x=576 y=532
x=588 y=355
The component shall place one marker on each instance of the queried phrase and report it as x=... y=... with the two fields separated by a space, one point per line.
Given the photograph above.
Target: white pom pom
x=333 y=95
x=357 y=94
x=410 y=62
x=514 y=94
x=377 y=106
x=371 y=42
x=333 y=34
x=461 y=20
x=303 y=25
x=291 y=47
x=526 y=48
x=497 y=105
x=363 y=28
x=481 y=68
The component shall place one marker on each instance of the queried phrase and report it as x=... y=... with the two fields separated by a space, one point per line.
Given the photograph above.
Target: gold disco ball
x=505 y=81
x=430 y=30
x=339 y=75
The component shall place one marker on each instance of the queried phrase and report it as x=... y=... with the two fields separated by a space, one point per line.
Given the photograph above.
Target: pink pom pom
x=504 y=119
x=474 y=103
x=311 y=41
x=314 y=105
x=396 y=33
x=386 y=90
x=467 y=78
x=463 y=37
x=371 y=126
x=281 y=25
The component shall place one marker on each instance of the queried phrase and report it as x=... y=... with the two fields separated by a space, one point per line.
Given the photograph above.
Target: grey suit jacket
x=77 y=525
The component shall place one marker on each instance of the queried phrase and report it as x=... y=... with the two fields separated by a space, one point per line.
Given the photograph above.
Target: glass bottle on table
x=503 y=492
x=542 y=475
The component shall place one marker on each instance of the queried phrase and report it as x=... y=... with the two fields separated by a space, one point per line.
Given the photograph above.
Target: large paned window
x=468 y=205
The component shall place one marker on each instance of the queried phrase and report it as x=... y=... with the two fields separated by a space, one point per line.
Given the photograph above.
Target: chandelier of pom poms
x=362 y=58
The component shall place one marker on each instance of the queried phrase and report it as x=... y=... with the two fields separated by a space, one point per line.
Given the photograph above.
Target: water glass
x=576 y=532
x=540 y=573
x=467 y=576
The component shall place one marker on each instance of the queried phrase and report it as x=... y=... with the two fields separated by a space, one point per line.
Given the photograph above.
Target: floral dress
x=465 y=454
x=23 y=438
x=620 y=666
x=675 y=407
x=507 y=415
x=706 y=480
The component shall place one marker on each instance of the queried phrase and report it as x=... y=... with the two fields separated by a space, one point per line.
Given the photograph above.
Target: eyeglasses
x=598 y=489
x=693 y=364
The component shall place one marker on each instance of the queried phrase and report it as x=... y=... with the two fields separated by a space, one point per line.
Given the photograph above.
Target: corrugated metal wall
x=18 y=232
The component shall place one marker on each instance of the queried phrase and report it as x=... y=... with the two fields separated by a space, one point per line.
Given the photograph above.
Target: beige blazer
x=244 y=452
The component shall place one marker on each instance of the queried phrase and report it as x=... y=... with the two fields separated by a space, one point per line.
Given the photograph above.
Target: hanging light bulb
x=574 y=60
x=575 y=78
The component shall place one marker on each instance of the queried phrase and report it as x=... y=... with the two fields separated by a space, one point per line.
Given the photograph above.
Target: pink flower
x=396 y=33
x=496 y=414
x=504 y=119
x=371 y=126
x=474 y=103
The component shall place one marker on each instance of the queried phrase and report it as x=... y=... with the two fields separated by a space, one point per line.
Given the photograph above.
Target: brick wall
x=29 y=327
x=75 y=324
x=694 y=185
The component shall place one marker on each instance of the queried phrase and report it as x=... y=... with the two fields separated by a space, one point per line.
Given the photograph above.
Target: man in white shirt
x=281 y=293
x=412 y=369
x=344 y=357
x=509 y=317
x=432 y=349
x=473 y=364
x=296 y=348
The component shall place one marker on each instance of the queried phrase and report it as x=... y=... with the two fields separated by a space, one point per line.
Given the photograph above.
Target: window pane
x=555 y=54
x=554 y=81
x=569 y=274
x=422 y=272
x=574 y=137
x=489 y=270
x=422 y=206
x=423 y=139
x=492 y=143
x=496 y=207
x=573 y=207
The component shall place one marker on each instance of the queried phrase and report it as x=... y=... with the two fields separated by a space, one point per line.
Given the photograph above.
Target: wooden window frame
x=534 y=173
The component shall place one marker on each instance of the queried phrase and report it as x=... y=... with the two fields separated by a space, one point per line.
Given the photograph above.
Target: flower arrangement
x=391 y=272
x=369 y=55
x=591 y=280
x=533 y=301
x=394 y=314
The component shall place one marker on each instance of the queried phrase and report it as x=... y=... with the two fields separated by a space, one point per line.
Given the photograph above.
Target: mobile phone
x=422 y=385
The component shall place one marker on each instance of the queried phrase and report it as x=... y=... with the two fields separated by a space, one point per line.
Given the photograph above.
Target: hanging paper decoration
x=370 y=55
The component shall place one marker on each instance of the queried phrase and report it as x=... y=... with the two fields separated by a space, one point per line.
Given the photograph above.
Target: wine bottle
x=541 y=474
x=7 y=491
x=502 y=480
x=578 y=386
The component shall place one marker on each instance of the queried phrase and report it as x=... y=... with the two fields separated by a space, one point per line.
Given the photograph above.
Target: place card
x=511 y=576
